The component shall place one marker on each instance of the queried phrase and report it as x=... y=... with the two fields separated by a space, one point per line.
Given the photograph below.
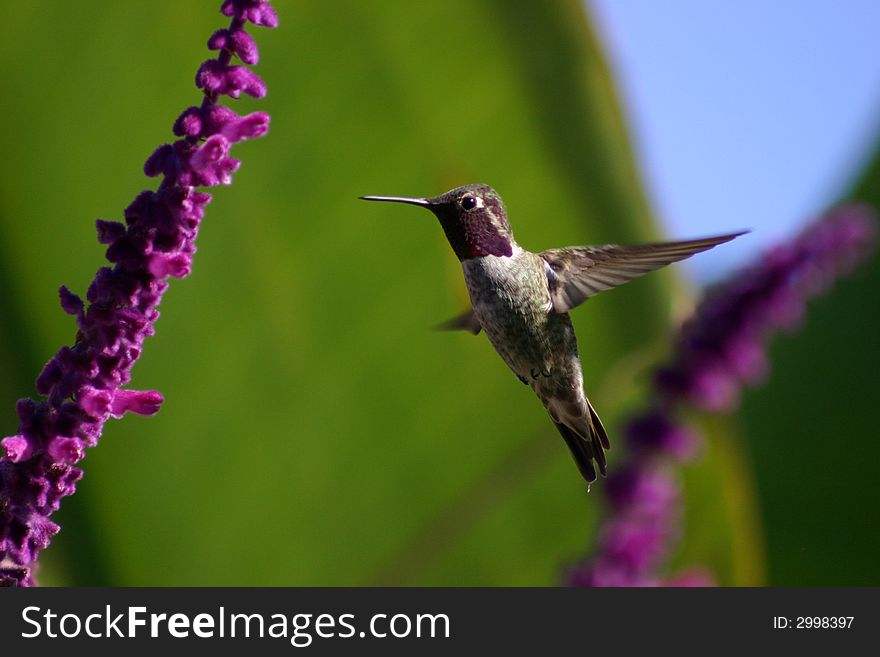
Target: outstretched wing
x=576 y=273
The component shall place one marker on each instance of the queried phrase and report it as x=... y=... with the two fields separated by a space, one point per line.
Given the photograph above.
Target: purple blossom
x=655 y=432
x=83 y=384
x=719 y=350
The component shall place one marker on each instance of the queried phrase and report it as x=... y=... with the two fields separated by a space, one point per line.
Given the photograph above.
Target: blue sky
x=748 y=114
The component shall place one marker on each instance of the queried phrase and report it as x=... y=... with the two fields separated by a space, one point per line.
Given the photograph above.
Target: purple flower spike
x=210 y=155
x=66 y=450
x=83 y=383
x=109 y=231
x=217 y=78
x=135 y=401
x=238 y=42
x=10 y=577
x=656 y=433
x=719 y=350
x=721 y=347
x=17 y=448
x=258 y=12
x=189 y=124
x=246 y=127
x=70 y=303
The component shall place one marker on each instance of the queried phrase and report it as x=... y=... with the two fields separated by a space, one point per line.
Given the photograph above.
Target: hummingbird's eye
x=468 y=202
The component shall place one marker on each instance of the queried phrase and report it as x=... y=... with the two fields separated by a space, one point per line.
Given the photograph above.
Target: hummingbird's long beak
x=423 y=202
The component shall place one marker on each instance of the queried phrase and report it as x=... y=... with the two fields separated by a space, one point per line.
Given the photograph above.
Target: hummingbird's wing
x=576 y=273
x=465 y=322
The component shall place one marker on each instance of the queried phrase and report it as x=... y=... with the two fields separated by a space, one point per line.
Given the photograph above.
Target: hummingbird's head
x=472 y=216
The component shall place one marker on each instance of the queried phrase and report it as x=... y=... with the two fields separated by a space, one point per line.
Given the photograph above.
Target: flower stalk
x=83 y=385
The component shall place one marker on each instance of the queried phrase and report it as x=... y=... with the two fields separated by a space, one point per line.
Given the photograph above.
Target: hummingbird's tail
x=587 y=440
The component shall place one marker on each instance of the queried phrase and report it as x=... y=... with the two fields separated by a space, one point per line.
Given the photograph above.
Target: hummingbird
x=522 y=302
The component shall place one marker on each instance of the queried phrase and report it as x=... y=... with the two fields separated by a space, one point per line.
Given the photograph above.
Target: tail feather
x=587 y=443
x=598 y=429
x=598 y=454
x=580 y=450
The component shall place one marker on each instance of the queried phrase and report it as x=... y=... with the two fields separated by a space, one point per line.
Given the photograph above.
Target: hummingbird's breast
x=510 y=298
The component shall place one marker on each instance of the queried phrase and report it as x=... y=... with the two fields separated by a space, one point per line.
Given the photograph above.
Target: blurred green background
x=315 y=430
